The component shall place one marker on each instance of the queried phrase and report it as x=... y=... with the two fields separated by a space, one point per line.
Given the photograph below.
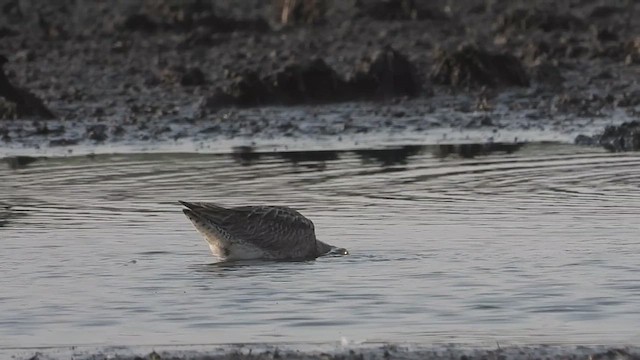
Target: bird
x=257 y=232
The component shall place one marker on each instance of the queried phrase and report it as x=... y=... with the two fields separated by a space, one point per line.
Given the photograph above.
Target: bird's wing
x=273 y=228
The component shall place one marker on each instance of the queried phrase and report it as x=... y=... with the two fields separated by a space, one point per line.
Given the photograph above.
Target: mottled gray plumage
x=257 y=232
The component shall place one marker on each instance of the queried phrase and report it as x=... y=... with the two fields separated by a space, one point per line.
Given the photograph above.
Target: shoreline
x=139 y=73
x=330 y=351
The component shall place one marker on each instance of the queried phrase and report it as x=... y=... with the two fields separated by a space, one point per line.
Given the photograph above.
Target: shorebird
x=257 y=232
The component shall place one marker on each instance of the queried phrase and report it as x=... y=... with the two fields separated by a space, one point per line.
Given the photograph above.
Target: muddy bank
x=263 y=352
x=147 y=71
x=19 y=103
x=616 y=138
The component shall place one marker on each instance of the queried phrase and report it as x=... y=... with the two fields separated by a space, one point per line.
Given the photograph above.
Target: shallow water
x=525 y=245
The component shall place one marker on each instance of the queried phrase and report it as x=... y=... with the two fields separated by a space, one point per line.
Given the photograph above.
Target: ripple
x=444 y=244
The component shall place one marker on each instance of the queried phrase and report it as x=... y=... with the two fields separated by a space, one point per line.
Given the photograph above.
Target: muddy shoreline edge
x=329 y=352
x=153 y=71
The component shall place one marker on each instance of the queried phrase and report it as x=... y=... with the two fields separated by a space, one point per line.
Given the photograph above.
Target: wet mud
x=390 y=351
x=615 y=138
x=162 y=70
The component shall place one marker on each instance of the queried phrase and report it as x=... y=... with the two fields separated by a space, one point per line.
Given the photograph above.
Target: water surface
x=524 y=244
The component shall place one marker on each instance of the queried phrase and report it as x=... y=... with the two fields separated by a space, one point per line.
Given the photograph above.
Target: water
x=531 y=244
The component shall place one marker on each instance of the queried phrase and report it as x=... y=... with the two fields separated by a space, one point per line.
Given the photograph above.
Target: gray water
x=537 y=245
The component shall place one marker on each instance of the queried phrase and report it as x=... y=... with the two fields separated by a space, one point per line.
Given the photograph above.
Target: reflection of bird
x=257 y=232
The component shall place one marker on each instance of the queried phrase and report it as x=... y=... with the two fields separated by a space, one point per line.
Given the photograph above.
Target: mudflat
x=162 y=70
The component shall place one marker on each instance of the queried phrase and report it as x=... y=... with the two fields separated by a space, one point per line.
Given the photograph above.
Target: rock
x=249 y=89
x=27 y=104
x=623 y=137
x=246 y=89
x=470 y=67
x=297 y=83
x=312 y=82
x=387 y=74
x=585 y=140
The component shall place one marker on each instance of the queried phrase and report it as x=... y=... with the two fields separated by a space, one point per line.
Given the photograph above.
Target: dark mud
x=408 y=352
x=160 y=70
x=25 y=103
x=615 y=138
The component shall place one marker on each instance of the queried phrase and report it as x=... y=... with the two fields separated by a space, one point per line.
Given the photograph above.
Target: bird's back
x=279 y=231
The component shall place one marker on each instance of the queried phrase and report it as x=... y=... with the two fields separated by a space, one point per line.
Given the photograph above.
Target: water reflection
x=5 y=214
x=8 y=214
x=248 y=268
x=469 y=151
x=245 y=155
x=391 y=156
x=437 y=247
x=19 y=162
x=384 y=157
x=296 y=157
